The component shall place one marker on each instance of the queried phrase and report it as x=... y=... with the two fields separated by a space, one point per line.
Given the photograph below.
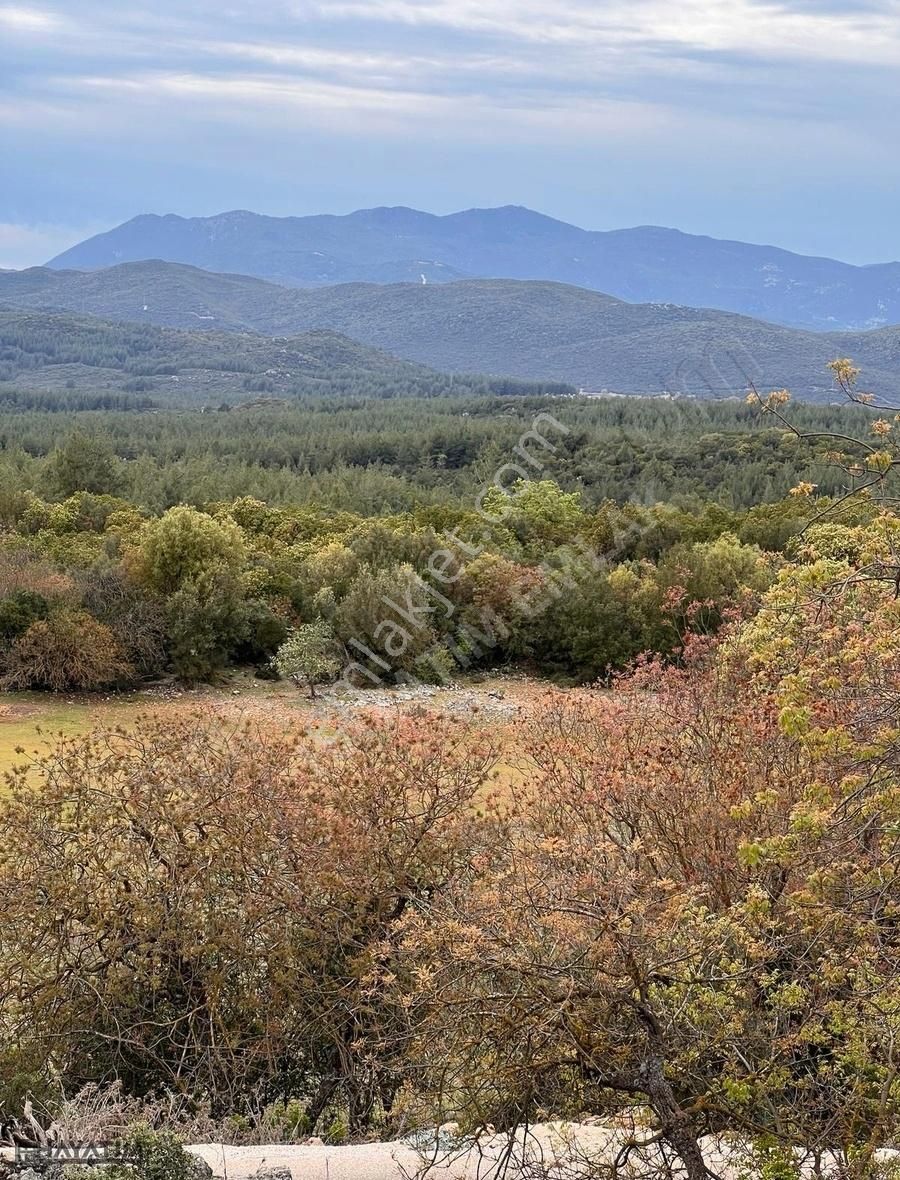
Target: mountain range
x=532 y=330
x=647 y=264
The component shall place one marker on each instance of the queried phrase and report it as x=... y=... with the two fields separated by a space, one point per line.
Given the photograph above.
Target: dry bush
x=21 y=570
x=136 y=620
x=694 y=911
x=208 y=909
x=69 y=651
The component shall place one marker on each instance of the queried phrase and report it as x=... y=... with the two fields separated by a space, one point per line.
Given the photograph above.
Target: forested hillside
x=317 y=444
x=57 y=360
x=534 y=331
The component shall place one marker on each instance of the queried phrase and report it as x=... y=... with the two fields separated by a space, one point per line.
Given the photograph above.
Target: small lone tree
x=309 y=655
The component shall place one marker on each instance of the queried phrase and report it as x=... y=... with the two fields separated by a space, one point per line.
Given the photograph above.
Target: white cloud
x=744 y=26
x=27 y=20
x=314 y=57
x=419 y=57
x=391 y=110
x=437 y=71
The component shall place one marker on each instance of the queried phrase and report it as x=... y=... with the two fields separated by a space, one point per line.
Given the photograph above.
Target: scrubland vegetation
x=688 y=905
x=139 y=544
x=680 y=914
x=96 y=594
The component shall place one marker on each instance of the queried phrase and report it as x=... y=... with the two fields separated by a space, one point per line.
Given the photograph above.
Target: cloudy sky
x=771 y=122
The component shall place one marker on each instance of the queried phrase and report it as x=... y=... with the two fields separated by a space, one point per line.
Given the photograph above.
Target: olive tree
x=309 y=655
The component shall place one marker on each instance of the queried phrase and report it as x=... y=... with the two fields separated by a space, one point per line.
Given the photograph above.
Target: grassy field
x=31 y=723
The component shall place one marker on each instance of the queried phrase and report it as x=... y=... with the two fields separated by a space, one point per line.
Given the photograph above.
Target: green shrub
x=286 y=1120
x=309 y=656
x=338 y=1130
x=19 y=611
x=206 y=620
x=771 y=1161
x=153 y=1155
x=159 y=1155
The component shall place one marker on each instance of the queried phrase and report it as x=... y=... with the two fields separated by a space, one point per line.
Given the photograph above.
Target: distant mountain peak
x=516 y=213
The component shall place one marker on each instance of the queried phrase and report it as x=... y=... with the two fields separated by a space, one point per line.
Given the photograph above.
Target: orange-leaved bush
x=201 y=906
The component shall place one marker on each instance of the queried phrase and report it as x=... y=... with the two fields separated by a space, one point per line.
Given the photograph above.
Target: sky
x=765 y=122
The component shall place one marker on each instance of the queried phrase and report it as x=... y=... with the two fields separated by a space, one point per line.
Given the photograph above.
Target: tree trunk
x=324 y=1094
x=360 y=1104
x=675 y=1124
